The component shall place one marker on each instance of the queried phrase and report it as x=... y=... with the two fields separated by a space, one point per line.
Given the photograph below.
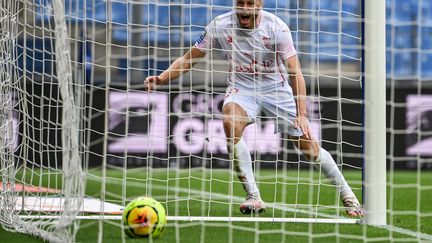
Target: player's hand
x=152 y=82
x=303 y=123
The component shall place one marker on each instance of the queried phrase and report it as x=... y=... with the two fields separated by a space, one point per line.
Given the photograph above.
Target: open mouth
x=245 y=18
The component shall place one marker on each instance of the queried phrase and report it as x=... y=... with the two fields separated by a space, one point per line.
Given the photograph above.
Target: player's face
x=247 y=12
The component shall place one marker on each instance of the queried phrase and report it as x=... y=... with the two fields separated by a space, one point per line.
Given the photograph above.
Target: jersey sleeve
x=207 y=39
x=284 y=42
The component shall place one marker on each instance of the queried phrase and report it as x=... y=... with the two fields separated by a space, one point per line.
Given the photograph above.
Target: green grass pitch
x=199 y=192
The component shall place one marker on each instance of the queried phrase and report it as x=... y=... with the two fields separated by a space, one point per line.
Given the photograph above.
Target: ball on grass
x=144 y=217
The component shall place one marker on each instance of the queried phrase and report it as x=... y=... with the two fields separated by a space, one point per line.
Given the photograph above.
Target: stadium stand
x=177 y=25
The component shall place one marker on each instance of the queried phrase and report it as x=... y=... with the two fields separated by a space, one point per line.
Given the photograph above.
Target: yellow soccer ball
x=144 y=217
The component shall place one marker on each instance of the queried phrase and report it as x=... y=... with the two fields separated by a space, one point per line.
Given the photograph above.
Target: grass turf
x=198 y=192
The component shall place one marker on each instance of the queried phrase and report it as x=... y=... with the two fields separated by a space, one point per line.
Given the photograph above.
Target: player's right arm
x=176 y=69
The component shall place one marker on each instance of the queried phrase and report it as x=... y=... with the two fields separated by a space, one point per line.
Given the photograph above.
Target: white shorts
x=278 y=105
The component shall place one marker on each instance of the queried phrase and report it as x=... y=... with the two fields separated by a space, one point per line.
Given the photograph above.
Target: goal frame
x=374 y=88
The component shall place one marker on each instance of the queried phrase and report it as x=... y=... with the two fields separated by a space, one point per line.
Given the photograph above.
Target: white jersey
x=255 y=56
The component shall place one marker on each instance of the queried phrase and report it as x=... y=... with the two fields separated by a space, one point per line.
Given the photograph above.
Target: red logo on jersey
x=266 y=42
x=229 y=39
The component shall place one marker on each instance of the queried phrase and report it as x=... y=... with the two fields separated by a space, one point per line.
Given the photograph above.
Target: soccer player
x=261 y=56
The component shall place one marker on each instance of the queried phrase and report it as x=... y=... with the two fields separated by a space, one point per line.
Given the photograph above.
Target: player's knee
x=310 y=149
x=230 y=127
x=233 y=129
x=315 y=151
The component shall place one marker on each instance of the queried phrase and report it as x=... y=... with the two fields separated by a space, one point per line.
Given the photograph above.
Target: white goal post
x=375 y=197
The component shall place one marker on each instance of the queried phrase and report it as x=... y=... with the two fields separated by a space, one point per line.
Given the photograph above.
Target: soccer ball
x=144 y=217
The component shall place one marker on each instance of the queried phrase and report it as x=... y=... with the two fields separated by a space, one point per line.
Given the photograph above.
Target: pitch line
x=207 y=219
x=403 y=231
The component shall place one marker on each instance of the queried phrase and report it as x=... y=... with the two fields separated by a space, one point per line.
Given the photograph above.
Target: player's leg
x=310 y=148
x=284 y=109
x=235 y=121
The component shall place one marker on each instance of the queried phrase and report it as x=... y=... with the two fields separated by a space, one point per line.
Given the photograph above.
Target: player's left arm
x=298 y=86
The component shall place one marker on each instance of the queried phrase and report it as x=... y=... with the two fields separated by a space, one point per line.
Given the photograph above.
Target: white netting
x=409 y=58
x=171 y=145
x=40 y=149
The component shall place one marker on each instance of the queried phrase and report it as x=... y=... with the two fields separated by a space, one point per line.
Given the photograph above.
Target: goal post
x=375 y=200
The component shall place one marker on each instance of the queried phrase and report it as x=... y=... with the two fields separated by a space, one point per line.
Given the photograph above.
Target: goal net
x=40 y=151
x=81 y=137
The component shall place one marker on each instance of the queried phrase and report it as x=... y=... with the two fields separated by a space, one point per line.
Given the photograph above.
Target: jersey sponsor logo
x=254 y=66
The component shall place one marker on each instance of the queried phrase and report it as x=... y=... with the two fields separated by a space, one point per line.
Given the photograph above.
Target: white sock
x=332 y=172
x=243 y=166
